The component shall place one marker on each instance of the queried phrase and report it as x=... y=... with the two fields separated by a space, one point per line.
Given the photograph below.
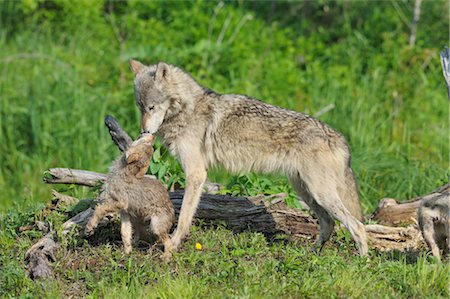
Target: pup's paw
x=167 y=256
x=89 y=230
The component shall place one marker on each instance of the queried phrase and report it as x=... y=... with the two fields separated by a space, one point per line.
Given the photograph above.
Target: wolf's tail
x=349 y=194
x=347 y=188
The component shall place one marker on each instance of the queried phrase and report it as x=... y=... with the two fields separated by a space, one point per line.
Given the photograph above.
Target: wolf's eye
x=150 y=108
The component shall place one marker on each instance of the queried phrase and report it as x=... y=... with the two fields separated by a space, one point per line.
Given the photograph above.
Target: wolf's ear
x=136 y=66
x=162 y=69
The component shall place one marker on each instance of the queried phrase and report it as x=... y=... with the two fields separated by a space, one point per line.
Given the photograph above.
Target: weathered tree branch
x=73 y=176
x=389 y=210
x=118 y=135
x=76 y=177
x=39 y=257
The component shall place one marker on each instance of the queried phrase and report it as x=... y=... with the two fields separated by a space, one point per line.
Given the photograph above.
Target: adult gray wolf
x=143 y=203
x=203 y=129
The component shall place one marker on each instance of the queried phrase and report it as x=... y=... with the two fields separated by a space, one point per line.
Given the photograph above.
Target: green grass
x=244 y=265
x=63 y=67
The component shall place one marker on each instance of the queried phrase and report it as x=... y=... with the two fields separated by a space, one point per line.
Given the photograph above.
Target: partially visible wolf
x=203 y=129
x=143 y=203
x=434 y=222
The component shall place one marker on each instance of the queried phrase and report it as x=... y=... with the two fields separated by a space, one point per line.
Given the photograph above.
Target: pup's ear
x=136 y=66
x=162 y=69
x=133 y=157
x=142 y=172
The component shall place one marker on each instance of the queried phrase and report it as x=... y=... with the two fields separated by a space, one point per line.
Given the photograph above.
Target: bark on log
x=386 y=238
x=392 y=212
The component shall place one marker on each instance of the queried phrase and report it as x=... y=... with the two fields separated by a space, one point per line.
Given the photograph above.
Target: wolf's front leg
x=195 y=170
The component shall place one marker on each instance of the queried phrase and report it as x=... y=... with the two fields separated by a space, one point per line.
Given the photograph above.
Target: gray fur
x=434 y=222
x=143 y=203
x=204 y=129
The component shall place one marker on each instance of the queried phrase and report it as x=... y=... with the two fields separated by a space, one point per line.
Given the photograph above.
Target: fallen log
x=392 y=212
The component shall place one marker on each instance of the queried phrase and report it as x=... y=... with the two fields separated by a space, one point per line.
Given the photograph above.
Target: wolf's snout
x=151 y=122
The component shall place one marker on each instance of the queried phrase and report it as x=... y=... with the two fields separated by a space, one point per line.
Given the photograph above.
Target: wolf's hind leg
x=326 y=222
x=322 y=185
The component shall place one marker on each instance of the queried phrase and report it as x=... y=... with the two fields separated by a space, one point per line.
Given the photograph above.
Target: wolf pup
x=143 y=202
x=434 y=222
x=202 y=129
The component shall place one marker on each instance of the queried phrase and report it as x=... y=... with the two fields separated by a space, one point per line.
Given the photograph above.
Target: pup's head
x=158 y=90
x=138 y=155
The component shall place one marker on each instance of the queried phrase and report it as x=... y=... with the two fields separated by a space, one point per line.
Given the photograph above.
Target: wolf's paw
x=127 y=248
x=175 y=243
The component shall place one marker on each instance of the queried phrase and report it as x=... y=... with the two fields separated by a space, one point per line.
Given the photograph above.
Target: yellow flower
x=198 y=246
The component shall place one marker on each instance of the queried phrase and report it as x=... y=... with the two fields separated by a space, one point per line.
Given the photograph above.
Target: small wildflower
x=198 y=246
